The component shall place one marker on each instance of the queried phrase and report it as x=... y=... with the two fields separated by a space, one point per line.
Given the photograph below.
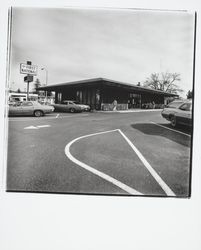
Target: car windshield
x=174 y=104
x=186 y=106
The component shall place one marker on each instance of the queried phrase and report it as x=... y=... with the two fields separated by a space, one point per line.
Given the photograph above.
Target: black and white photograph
x=100 y=101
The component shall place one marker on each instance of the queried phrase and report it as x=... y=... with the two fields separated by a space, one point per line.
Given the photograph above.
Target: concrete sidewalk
x=128 y=111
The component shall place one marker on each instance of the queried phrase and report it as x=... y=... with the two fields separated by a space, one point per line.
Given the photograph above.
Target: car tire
x=72 y=110
x=38 y=113
x=173 y=121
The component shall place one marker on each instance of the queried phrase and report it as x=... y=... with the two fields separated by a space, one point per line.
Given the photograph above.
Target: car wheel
x=173 y=121
x=72 y=110
x=38 y=113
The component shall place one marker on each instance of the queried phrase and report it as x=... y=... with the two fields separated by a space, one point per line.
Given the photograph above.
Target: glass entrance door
x=98 y=100
x=134 y=101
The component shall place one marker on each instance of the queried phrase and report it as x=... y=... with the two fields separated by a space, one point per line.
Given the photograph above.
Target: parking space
x=107 y=153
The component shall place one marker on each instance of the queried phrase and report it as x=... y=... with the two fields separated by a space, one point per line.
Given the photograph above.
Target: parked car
x=178 y=113
x=29 y=108
x=175 y=104
x=71 y=106
x=14 y=103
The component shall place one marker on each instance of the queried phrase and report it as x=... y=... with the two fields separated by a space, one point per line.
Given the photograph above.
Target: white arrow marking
x=31 y=127
x=37 y=127
x=43 y=126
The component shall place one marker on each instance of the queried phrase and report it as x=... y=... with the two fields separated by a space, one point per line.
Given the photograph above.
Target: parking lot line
x=97 y=172
x=155 y=175
x=177 y=131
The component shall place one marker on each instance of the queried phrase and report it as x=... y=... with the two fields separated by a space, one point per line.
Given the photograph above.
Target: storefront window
x=59 y=97
x=79 y=96
x=97 y=96
x=134 y=101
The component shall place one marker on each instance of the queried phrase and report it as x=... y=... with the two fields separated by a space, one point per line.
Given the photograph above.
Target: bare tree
x=164 y=81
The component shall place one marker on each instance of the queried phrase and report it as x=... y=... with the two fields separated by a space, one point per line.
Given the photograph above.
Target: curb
x=127 y=111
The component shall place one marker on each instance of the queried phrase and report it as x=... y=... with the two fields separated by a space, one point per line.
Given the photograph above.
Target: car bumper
x=166 y=116
x=47 y=111
x=85 y=108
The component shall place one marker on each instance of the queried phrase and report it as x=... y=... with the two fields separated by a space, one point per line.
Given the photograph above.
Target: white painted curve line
x=177 y=131
x=57 y=115
x=155 y=175
x=96 y=172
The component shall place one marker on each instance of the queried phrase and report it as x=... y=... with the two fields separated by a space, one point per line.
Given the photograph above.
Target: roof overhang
x=105 y=82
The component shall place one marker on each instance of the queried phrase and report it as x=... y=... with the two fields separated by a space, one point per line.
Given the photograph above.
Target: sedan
x=71 y=106
x=179 y=113
x=29 y=108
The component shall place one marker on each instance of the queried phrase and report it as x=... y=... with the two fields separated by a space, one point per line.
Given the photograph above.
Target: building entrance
x=90 y=97
x=134 y=101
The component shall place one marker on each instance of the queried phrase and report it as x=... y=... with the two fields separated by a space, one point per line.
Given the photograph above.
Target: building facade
x=101 y=94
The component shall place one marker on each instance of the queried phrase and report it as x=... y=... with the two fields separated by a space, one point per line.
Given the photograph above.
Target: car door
x=65 y=106
x=27 y=108
x=184 y=114
x=61 y=107
x=15 y=110
x=71 y=105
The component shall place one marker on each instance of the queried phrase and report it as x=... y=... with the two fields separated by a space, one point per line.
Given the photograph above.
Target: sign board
x=28 y=69
x=28 y=78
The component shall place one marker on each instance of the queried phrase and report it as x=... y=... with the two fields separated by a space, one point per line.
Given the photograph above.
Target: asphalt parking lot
x=98 y=153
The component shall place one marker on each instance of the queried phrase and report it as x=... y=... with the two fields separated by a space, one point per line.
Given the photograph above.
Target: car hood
x=169 y=109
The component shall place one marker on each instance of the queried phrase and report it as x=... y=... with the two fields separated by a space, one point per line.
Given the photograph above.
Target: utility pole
x=46 y=81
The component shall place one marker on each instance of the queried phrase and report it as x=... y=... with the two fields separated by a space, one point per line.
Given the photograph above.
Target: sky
x=121 y=44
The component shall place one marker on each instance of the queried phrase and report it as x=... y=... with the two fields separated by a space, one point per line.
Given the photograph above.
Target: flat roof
x=107 y=82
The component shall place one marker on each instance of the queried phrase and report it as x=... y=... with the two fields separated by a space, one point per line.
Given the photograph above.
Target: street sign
x=28 y=78
x=28 y=69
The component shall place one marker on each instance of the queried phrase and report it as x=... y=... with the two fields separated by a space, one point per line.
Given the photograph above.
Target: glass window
x=88 y=97
x=97 y=96
x=186 y=106
x=59 y=97
x=80 y=96
x=174 y=104
x=27 y=104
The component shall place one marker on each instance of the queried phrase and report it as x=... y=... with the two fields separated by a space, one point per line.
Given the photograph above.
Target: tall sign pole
x=30 y=70
x=28 y=81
